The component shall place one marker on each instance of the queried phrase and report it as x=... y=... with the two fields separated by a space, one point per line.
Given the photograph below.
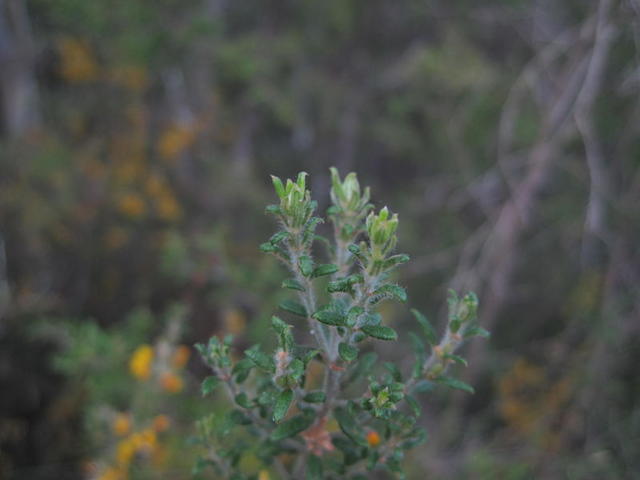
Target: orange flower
x=121 y=424
x=373 y=439
x=140 y=363
x=181 y=356
x=171 y=382
x=161 y=423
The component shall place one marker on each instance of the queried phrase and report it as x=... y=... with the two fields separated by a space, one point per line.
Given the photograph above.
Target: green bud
x=381 y=230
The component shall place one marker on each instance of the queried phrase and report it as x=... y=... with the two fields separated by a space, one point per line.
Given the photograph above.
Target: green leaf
x=278 y=325
x=314 y=468
x=260 y=359
x=297 y=368
x=349 y=427
x=316 y=396
x=390 y=291
x=457 y=359
x=414 y=405
x=364 y=366
x=209 y=384
x=292 y=284
x=423 y=386
x=347 y=352
x=267 y=247
x=238 y=418
x=353 y=248
x=455 y=383
x=325 y=269
x=282 y=405
x=277 y=183
x=476 y=331
x=455 y=324
x=394 y=371
x=380 y=332
x=242 y=400
x=306 y=265
x=427 y=328
x=273 y=209
x=291 y=427
x=394 y=261
x=242 y=369
x=294 y=307
x=329 y=316
x=278 y=237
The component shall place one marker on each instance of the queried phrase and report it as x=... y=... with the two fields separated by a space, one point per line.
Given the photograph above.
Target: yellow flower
x=373 y=439
x=263 y=475
x=181 y=356
x=131 y=77
x=168 y=207
x=170 y=382
x=140 y=362
x=125 y=451
x=77 y=63
x=234 y=321
x=113 y=473
x=175 y=140
x=132 y=205
x=121 y=424
x=146 y=441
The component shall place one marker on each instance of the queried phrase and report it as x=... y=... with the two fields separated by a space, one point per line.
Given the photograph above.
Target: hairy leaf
x=380 y=332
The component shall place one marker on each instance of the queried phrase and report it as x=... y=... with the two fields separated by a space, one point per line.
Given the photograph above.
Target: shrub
x=355 y=418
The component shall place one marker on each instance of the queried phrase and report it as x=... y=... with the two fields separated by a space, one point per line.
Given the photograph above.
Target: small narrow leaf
x=291 y=427
x=423 y=386
x=314 y=468
x=347 y=352
x=273 y=209
x=278 y=237
x=292 y=284
x=277 y=183
x=268 y=247
x=353 y=248
x=282 y=405
x=456 y=358
x=391 y=291
x=326 y=269
x=394 y=261
x=394 y=371
x=414 y=404
x=316 y=396
x=427 y=328
x=294 y=307
x=209 y=384
x=476 y=331
x=380 y=332
x=455 y=383
x=306 y=265
x=349 y=427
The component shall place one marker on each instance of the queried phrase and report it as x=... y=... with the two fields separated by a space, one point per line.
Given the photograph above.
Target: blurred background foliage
x=137 y=139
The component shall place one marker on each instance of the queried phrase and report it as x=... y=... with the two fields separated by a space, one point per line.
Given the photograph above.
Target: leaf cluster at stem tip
x=330 y=319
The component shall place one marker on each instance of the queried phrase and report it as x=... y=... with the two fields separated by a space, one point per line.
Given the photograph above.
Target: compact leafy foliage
x=283 y=411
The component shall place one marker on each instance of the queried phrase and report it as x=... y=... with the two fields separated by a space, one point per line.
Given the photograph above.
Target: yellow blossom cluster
x=135 y=444
x=141 y=367
x=529 y=401
x=77 y=61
